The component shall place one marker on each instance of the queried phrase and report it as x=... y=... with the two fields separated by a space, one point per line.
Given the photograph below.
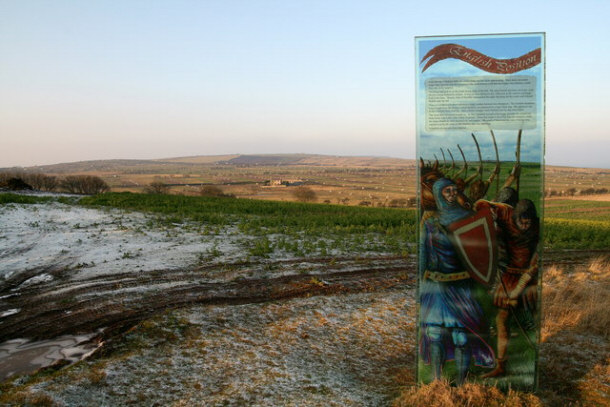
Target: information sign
x=480 y=144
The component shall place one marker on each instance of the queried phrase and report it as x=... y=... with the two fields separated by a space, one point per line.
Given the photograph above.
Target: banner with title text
x=480 y=143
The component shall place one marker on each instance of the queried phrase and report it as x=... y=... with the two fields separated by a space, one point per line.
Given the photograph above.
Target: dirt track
x=119 y=301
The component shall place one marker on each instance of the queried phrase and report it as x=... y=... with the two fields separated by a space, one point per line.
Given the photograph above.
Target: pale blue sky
x=82 y=80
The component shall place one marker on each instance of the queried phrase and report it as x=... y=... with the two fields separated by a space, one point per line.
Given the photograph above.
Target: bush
x=17 y=184
x=213 y=190
x=157 y=187
x=42 y=182
x=398 y=203
x=304 y=194
x=36 y=181
x=588 y=191
x=84 y=184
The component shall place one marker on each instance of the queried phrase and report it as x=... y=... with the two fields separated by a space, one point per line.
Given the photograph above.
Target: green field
x=577 y=209
x=577 y=224
x=569 y=224
x=299 y=228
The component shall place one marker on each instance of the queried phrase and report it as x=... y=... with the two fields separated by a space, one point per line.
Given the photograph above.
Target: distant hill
x=88 y=166
x=241 y=160
x=199 y=159
x=294 y=159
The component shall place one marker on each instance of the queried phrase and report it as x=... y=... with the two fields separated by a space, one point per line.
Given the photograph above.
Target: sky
x=87 y=80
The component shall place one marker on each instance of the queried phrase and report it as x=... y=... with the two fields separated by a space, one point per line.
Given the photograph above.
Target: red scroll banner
x=482 y=61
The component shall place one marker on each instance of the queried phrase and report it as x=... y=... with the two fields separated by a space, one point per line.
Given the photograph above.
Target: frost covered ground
x=88 y=243
x=343 y=350
x=93 y=242
x=64 y=265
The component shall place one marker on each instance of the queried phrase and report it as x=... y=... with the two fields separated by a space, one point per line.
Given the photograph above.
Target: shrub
x=157 y=187
x=304 y=194
x=42 y=182
x=213 y=190
x=17 y=184
x=84 y=184
x=398 y=203
x=36 y=181
x=587 y=191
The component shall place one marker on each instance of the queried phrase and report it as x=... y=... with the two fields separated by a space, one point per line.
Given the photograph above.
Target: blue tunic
x=448 y=304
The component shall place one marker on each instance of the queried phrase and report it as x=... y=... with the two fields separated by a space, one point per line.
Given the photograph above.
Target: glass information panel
x=480 y=143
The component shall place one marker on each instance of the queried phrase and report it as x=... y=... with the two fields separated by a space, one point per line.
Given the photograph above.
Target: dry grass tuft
x=592 y=388
x=577 y=300
x=27 y=398
x=96 y=375
x=440 y=394
x=574 y=350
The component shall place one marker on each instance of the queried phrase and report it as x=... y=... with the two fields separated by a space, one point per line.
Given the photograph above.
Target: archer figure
x=517 y=289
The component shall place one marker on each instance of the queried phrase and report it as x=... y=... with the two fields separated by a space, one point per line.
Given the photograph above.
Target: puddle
x=19 y=356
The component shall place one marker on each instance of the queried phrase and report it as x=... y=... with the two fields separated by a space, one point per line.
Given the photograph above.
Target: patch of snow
x=86 y=243
x=11 y=311
x=77 y=243
x=41 y=278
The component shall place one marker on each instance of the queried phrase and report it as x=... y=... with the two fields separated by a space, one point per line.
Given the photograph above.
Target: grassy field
x=300 y=228
x=316 y=220
x=569 y=224
x=577 y=209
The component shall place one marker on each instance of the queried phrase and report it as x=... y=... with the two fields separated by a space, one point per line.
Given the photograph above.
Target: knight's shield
x=475 y=241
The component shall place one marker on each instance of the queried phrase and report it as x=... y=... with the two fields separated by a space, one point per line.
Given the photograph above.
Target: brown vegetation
x=442 y=394
x=578 y=300
x=157 y=187
x=83 y=184
x=16 y=180
x=304 y=194
x=213 y=190
x=75 y=184
x=570 y=192
x=575 y=353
